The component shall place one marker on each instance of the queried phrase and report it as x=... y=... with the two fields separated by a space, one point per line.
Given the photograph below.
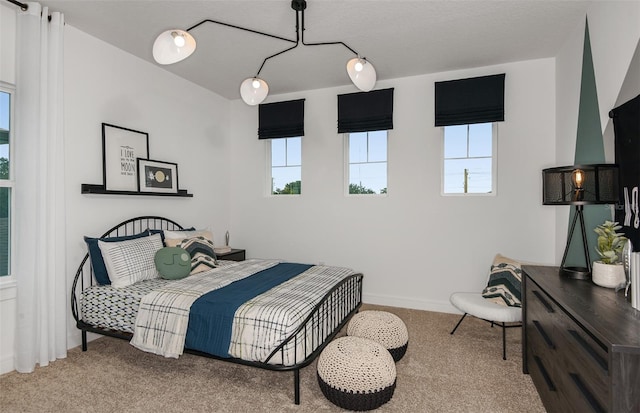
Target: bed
x=263 y=313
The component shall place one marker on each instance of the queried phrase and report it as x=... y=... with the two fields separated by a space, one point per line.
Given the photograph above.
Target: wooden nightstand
x=233 y=255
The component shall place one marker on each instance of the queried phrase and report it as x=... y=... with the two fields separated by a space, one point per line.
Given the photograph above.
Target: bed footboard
x=326 y=320
x=323 y=323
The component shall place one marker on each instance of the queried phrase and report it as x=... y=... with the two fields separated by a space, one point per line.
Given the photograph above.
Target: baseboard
x=75 y=339
x=404 y=302
x=6 y=364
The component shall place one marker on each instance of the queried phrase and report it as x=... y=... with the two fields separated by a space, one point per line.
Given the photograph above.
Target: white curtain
x=41 y=334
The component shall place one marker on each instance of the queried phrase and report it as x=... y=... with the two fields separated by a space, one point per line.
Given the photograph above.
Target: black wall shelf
x=99 y=189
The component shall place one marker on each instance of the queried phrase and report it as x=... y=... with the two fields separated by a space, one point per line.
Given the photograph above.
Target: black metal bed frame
x=324 y=322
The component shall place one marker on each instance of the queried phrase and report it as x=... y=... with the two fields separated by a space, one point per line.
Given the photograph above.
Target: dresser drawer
x=585 y=364
x=568 y=357
x=542 y=315
x=581 y=344
x=542 y=347
x=548 y=388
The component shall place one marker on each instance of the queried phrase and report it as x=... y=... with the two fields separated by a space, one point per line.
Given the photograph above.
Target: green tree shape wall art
x=589 y=150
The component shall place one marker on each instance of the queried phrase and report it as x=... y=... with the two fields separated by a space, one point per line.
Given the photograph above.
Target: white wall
x=414 y=246
x=614 y=33
x=187 y=125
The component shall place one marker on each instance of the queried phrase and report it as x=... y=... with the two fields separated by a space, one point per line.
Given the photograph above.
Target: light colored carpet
x=440 y=372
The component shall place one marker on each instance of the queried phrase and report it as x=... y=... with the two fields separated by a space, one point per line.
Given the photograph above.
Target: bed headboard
x=84 y=276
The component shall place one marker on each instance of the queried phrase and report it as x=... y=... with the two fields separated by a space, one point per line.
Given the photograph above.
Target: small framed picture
x=157 y=176
x=120 y=149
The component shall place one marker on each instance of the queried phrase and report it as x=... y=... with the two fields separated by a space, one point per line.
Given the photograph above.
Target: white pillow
x=130 y=261
x=187 y=234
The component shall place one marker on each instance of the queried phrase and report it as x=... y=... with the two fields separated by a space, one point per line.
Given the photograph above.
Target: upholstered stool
x=381 y=326
x=356 y=373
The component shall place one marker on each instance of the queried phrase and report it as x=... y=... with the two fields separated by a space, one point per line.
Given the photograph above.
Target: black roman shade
x=281 y=119
x=467 y=101
x=365 y=111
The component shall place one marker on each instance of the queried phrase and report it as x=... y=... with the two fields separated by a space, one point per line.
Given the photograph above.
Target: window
x=469 y=159
x=367 y=166
x=6 y=177
x=286 y=166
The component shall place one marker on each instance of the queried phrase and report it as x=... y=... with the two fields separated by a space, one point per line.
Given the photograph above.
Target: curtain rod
x=23 y=6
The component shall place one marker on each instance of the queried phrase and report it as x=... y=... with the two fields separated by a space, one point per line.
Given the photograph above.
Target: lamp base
x=576 y=273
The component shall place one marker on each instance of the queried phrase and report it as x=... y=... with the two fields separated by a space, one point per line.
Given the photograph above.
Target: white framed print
x=157 y=176
x=121 y=147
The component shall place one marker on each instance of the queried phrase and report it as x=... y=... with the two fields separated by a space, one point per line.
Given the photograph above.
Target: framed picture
x=157 y=176
x=120 y=149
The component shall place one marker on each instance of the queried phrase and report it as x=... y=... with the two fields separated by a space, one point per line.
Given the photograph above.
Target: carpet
x=440 y=372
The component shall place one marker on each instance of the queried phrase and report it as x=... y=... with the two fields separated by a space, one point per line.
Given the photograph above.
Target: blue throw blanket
x=211 y=316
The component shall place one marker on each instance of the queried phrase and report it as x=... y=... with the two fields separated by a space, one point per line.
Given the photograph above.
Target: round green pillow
x=173 y=263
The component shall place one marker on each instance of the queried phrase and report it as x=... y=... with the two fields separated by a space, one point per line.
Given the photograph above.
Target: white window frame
x=347 y=164
x=494 y=165
x=269 y=174
x=7 y=281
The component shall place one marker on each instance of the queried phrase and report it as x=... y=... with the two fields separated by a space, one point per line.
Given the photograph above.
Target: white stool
x=383 y=327
x=356 y=373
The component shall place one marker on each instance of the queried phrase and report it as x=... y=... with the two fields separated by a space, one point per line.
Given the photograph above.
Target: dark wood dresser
x=580 y=344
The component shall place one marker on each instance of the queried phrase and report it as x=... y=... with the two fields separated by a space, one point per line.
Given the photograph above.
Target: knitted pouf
x=381 y=326
x=356 y=373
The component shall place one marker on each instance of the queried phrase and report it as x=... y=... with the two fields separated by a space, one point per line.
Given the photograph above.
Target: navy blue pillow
x=97 y=262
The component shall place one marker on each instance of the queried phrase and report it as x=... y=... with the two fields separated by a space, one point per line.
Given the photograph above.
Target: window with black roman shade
x=365 y=111
x=468 y=101
x=281 y=119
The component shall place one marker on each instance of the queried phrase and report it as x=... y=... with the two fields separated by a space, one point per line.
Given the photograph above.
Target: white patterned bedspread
x=163 y=315
x=259 y=326
x=264 y=322
x=108 y=307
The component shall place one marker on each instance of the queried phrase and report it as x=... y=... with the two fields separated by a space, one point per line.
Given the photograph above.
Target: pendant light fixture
x=175 y=45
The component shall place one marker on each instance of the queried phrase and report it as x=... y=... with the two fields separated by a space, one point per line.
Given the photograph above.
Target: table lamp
x=579 y=185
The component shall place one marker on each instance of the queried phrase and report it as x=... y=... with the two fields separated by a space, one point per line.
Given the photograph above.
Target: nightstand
x=233 y=255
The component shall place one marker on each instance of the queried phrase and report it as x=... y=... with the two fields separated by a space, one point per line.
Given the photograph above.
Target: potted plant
x=609 y=271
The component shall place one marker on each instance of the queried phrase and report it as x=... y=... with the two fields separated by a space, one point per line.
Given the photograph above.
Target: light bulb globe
x=166 y=48
x=252 y=95
x=364 y=79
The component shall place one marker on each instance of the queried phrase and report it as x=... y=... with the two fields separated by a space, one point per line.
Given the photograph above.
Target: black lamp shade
x=599 y=185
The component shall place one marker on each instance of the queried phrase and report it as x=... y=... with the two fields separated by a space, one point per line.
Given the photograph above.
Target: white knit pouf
x=356 y=373
x=383 y=327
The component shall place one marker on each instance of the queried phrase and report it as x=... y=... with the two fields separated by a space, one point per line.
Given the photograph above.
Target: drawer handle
x=589 y=349
x=544 y=302
x=545 y=375
x=593 y=403
x=544 y=334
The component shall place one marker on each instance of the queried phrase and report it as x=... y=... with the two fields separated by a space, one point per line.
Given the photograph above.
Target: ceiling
x=401 y=38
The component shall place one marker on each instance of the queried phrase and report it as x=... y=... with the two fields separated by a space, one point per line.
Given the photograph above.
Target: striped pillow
x=128 y=262
x=505 y=282
x=200 y=248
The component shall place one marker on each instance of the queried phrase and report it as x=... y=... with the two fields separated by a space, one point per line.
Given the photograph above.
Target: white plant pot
x=608 y=275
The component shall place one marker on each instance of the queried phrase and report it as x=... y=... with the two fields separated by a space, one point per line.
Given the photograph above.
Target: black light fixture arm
x=23 y=6
x=237 y=27
x=285 y=50
x=320 y=43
